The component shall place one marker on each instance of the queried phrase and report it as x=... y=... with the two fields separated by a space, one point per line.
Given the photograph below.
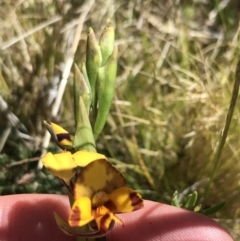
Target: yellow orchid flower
x=100 y=191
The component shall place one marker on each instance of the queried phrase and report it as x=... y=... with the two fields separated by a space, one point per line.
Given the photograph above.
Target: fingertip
x=163 y=222
x=30 y=217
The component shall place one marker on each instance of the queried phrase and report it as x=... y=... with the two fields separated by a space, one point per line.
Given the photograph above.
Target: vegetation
x=176 y=70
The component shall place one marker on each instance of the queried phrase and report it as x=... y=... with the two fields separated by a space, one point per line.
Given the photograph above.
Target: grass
x=176 y=72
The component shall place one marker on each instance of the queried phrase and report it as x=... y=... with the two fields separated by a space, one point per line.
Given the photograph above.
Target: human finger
x=30 y=217
x=158 y=221
x=27 y=217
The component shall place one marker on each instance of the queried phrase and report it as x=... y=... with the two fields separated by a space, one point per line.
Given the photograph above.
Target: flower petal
x=99 y=175
x=81 y=212
x=61 y=165
x=123 y=200
x=60 y=135
x=104 y=218
x=83 y=158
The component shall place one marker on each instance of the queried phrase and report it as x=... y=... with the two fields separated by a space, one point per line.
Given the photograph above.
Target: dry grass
x=177 y=63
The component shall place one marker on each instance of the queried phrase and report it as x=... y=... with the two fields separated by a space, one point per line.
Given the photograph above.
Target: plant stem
x=223 y=135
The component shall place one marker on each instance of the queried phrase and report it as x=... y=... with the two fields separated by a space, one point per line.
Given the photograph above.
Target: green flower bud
x=106 y=85
x=93 y=61
x=107 y=42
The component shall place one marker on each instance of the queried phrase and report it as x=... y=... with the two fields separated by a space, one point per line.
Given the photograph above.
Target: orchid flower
x=99 y=191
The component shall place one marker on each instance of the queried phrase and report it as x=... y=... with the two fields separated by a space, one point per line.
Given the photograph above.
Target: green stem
x=224 y=133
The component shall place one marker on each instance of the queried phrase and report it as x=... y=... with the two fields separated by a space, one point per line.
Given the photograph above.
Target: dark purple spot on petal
x=63 y=136
x=103 y=223
x=137 y=202
x=110 y=205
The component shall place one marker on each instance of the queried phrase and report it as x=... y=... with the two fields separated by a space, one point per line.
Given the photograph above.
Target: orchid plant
x=97 y=190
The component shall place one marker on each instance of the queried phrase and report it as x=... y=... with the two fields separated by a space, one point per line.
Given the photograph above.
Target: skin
x=29 y=217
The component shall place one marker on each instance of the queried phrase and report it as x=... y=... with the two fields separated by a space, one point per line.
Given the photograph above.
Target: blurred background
x=176 y=69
